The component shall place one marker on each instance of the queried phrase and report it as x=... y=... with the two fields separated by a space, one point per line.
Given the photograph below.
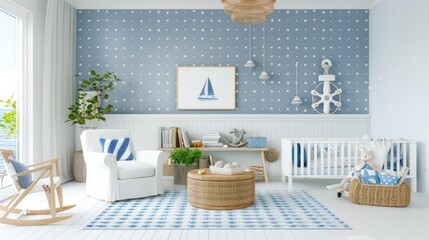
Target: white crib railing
x=335 y=158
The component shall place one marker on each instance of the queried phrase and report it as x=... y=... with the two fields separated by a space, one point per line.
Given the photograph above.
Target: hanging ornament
x=326 y=98
x=264 y=75
x=296 y=100
x=250 y=64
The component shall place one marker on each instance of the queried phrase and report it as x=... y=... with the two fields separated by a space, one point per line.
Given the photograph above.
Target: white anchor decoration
x=326 y=98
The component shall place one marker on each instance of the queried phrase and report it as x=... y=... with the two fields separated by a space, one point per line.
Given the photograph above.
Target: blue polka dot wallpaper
x=145 y=46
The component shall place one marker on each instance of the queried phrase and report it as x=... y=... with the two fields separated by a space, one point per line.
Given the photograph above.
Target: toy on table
x=237 y=138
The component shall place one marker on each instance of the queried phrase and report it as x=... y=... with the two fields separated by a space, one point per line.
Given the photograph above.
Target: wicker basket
x=380 y=195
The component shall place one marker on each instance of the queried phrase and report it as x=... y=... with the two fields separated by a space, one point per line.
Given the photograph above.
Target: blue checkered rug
x=271 y=210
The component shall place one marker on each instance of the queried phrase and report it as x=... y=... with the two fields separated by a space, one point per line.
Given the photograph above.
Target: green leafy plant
x=8 y=120
x=88 y=109
x=185 y=156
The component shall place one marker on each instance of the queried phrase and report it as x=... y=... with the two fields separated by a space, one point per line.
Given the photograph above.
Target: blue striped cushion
x=118 y=147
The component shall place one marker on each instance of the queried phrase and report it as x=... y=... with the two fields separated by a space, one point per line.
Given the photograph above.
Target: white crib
x=335 y=158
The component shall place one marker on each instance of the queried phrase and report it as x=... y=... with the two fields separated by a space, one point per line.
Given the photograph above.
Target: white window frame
x=25 y=86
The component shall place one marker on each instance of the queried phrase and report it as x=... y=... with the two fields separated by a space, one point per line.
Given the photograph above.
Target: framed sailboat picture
x=205 y=88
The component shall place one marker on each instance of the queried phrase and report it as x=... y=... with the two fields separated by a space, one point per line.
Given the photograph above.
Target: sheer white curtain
x=59 y=84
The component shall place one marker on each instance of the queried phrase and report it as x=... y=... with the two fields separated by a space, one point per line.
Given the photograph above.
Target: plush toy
x=366 y=160
x=237 y=138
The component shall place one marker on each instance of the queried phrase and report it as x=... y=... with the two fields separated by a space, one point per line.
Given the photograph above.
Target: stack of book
x=211 y=140
x=173 y=137
x=256 y=169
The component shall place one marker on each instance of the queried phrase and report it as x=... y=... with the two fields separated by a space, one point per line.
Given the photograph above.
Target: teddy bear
x=366 y=161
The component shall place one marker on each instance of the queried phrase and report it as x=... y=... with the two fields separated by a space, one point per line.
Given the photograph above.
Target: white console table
x=232 y=149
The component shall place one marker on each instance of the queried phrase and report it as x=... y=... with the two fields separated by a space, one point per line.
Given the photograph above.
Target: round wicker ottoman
x=221 y=192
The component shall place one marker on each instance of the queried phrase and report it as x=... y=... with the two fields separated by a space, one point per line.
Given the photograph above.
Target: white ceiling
x=217 y=4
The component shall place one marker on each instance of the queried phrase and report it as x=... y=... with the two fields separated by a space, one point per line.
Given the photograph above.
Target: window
x=10 y=67
x=15 y=85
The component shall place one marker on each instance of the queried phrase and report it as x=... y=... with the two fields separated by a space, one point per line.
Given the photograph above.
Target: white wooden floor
x=367 y=222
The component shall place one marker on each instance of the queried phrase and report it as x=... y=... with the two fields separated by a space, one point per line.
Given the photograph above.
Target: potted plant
x=184 y=160
x=88 y=109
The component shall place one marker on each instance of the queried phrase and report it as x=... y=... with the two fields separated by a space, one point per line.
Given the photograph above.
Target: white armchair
x=111 y=180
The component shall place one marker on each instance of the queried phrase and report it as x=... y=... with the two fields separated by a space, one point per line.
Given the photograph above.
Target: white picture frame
x=205 y=88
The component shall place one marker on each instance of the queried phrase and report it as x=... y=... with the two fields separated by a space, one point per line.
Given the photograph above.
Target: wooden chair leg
x=60 y=196
x=51 y=201
x=53 y=208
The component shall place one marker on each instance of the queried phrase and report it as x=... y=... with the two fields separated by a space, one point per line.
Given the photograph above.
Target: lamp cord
x=296 y=78
x=264 y=45
x=250 y=42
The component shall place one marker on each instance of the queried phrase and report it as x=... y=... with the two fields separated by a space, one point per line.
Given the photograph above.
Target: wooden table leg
x=264 y=166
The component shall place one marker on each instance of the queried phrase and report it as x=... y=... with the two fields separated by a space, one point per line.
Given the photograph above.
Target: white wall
x=38 y=10
x=399 y=76
x=144 y=129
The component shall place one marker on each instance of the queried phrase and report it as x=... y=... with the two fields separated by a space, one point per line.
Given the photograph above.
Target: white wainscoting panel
x=144 y=129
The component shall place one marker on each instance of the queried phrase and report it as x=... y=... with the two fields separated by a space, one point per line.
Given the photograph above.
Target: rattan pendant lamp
x=248 y=11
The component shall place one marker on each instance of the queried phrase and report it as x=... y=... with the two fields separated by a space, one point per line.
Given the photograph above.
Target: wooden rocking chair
x=45 y=181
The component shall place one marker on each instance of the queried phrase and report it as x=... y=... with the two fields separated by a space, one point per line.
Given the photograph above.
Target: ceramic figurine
x=237 y=138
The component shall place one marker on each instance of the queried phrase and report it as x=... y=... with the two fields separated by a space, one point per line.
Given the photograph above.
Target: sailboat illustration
x=207 y=92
